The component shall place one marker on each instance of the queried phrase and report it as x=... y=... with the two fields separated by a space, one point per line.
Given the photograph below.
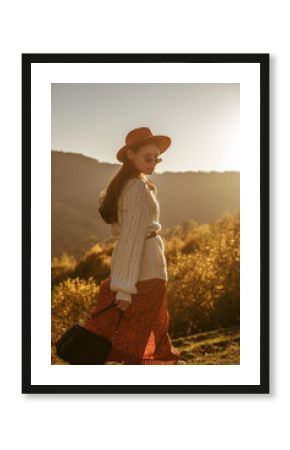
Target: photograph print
x=142 y=197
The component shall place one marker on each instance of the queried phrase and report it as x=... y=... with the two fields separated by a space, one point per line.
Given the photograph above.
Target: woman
x=138 y=280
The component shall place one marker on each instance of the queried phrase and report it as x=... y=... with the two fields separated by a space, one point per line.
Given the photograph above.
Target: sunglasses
x=147 y=159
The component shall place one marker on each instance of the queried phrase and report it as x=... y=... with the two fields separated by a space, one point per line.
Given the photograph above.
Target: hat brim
x=163 y=143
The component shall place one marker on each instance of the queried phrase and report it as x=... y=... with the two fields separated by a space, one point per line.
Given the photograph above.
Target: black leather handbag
x=80 y=346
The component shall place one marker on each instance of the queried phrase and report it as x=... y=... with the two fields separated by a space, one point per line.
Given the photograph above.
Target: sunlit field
x=203 y=289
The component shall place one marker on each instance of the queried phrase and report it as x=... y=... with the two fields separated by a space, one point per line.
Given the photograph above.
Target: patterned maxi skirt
x=142 y=336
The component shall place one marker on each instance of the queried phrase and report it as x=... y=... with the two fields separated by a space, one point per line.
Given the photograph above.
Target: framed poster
x=135 y=170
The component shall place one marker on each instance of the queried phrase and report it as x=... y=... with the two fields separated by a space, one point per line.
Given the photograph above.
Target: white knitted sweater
x=134 y=257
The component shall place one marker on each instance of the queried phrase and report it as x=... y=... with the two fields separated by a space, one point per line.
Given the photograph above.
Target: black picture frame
x=192 y=58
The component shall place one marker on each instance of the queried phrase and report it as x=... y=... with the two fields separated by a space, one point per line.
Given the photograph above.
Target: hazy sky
x=203 y=121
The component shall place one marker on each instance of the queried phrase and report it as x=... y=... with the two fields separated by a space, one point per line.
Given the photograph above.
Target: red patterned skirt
x=142 y=336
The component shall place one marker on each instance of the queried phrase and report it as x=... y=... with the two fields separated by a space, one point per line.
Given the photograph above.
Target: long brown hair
x=108 y=199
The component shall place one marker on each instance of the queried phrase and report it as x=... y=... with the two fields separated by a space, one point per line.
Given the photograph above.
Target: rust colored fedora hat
x=141 y=136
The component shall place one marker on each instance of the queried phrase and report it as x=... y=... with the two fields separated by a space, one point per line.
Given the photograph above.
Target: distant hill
x=76 y=181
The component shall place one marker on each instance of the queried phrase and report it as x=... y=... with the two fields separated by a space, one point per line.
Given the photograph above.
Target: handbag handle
x=112 y=305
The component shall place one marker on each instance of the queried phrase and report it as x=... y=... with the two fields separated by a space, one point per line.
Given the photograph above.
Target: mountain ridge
x=76 y=181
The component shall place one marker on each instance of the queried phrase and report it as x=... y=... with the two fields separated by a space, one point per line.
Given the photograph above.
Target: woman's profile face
x=146 y=158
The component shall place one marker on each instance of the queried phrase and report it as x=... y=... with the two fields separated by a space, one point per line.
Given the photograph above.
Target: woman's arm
x=128 y=251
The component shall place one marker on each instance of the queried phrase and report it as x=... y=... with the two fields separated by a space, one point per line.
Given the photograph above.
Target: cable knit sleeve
x=128 y=251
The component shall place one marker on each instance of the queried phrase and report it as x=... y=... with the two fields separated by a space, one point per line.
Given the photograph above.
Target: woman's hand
x=122 y=304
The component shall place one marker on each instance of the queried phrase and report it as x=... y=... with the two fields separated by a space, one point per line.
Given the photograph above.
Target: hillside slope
x=213 y=347
x=77 y=180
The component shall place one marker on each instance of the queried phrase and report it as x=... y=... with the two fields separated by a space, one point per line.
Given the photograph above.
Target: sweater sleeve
x=121 y=295
x=126 y=258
